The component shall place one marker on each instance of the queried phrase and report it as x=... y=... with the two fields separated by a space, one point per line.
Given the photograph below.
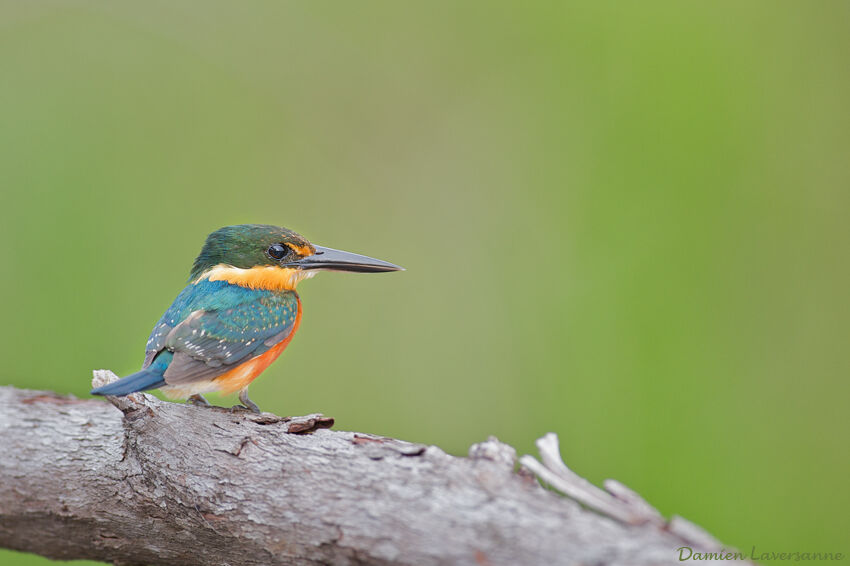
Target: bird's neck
x=268 y=277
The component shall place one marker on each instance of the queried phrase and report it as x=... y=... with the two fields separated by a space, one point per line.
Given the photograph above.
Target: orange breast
x=243 y=374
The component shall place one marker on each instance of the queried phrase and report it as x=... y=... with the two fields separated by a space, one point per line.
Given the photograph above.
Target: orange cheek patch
x=304 y=250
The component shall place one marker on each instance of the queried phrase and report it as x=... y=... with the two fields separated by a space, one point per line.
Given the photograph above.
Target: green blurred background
x=622 y=222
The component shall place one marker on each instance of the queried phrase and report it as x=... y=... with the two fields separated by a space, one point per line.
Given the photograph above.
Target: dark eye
x=277 y=251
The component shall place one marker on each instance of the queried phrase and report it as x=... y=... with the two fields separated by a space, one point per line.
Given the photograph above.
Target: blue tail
x=148 y=378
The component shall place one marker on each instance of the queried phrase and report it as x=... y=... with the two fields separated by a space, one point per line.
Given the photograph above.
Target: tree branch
x=167 y=483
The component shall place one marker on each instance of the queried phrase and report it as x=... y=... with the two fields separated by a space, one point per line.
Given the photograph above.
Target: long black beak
x=337 y=260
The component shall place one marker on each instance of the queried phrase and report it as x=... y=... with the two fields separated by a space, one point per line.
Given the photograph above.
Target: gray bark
x=168 y=483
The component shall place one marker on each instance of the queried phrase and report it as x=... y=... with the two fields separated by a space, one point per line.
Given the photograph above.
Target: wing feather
x=216 y=328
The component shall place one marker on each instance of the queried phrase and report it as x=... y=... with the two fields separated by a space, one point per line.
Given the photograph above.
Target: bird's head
x=269 y=257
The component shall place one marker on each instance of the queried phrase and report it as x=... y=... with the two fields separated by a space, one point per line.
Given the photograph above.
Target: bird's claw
x=198 y=401
x=244 y=409
x=247 y=403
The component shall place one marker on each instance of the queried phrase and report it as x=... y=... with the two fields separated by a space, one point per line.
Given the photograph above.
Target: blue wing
x=214 y=326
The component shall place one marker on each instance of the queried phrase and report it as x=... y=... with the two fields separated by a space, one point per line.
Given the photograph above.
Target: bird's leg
x=243 y=398
x=198 y=400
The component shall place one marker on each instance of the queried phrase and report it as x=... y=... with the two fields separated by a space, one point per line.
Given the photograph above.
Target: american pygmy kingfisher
x=236 y=315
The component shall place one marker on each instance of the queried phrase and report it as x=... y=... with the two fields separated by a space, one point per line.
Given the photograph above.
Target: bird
x=236 y=315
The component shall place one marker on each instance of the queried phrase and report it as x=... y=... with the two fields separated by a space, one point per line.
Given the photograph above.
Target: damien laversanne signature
x=688 y=553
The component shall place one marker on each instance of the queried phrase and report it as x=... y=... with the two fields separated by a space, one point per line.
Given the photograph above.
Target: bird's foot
x=198 y=400
x=247 y=403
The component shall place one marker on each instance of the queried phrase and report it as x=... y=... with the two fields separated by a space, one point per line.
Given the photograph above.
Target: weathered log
x=168 y=483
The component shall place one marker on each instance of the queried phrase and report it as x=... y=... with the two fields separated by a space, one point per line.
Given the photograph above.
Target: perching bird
x=236 y=315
